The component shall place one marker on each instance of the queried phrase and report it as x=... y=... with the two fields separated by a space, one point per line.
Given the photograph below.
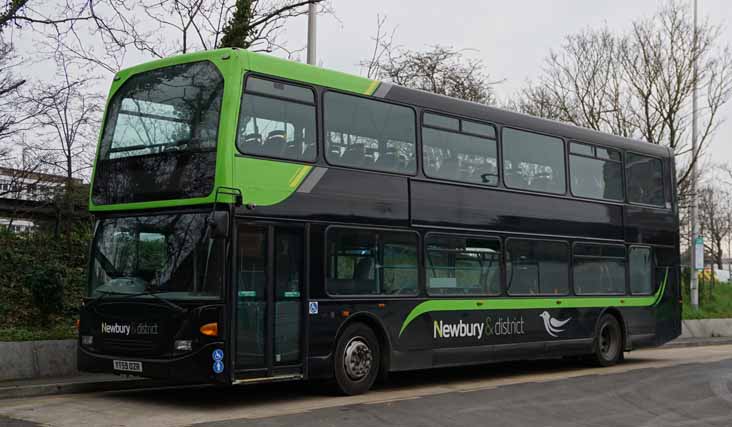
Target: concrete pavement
x=661 y=387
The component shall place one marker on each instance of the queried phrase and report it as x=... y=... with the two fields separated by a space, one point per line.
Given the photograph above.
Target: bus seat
x=354 y=155
x=411 y=164
x=388 y=161
x=275 y=143
x=449 y=169
x=253 y=143
x=364 y=269
x=292 y=150
x=309 y=152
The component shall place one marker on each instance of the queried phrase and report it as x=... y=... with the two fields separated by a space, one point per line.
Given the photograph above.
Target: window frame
x=565 y=166
x=501 y=265
x=417 y=136
x=377 y=230
x=623 y=199
x=569 y=291
x=460 y=131
x=275 y=79
x=666 y=203
x=626 y=290
x=653 y=270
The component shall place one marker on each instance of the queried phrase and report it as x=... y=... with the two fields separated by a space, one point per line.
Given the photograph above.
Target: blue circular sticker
x=218 y=367
x=218 y=354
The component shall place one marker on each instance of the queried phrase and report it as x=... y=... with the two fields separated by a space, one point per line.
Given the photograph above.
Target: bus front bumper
x=192 y=367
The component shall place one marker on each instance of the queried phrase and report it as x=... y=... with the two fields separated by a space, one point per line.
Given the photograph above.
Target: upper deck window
x=459 y=150
x=533 y=162
x=159 y=140
x=369 y=134
x=169 y=109
x=595 y=172
x=277 y=120
x=645 y=179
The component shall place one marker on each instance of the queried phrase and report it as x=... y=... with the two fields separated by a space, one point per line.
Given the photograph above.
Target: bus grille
x=128 y=347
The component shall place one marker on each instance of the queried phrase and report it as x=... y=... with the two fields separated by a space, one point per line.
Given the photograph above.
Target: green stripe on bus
x=532 y=303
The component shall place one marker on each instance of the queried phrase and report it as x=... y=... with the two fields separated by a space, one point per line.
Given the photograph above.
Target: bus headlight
x=87 y=340
x=183 y=345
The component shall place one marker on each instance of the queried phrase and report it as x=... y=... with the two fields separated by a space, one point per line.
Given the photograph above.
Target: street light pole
x=695 y=238
x=312 y=14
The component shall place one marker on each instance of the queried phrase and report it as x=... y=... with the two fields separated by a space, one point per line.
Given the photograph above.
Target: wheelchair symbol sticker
x=313 y=307
x=218 y=355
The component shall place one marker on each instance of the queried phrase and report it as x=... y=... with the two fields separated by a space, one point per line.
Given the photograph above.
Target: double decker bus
x=264 y=220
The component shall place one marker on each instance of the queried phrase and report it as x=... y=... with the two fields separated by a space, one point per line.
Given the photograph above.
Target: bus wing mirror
x=218 y=225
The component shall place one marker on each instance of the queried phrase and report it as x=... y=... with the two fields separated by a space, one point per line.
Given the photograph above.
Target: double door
x=268 y=310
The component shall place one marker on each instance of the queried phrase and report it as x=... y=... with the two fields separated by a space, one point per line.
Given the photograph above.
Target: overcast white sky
x=512 y=38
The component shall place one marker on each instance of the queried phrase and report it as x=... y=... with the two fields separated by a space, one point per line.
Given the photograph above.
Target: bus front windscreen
x=171 y=255
x=159 y=139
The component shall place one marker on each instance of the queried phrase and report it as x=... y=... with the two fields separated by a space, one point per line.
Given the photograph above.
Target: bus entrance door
x=268 y=302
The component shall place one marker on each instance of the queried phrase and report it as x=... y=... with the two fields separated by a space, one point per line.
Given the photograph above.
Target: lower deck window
x=640 y=271
x=537 y=267
x=599 y=269
x=462 y=265
x=371 y=262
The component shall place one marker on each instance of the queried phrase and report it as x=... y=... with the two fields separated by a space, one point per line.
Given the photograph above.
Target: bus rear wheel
x=608 y=341
x=357 y=359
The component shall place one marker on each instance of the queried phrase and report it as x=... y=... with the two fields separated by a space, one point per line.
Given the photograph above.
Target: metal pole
x=694 y=282
x=312 y=14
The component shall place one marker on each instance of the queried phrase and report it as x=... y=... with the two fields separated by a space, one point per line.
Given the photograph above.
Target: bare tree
x=439 y=69
x=160 y=28
x=714 y=216
x=67 y=117
x=638 y=84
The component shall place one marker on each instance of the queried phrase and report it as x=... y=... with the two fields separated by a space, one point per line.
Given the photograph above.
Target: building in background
x=28 y=198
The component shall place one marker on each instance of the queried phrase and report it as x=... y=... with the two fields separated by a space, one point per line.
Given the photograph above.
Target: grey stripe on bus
x=383 y=89
x=312 y=180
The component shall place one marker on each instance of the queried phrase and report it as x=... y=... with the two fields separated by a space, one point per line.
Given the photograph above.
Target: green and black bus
x=262 y=220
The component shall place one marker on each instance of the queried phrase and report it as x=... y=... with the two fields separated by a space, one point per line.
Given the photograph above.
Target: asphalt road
x=663 y=387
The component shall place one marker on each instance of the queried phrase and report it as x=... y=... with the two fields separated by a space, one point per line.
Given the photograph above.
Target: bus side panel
x=341 y=195
x=649 y=226
x=447 y=205
x=668 y=311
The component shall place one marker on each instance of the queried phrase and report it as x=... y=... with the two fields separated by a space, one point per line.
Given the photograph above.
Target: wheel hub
x=357 y=358
x=607 y=344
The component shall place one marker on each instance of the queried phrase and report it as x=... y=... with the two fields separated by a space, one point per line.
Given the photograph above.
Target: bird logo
x=553 y=326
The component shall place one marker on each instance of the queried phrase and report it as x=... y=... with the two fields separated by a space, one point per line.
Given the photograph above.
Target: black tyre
x=608 y=341
x=357 y=359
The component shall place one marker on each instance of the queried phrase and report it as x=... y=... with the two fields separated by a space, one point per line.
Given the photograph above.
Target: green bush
x=42 y=279
x=715 y=299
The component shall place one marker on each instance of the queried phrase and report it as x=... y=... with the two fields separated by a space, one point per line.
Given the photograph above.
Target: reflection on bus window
x=645 y=179
x=456 y=156
x=533 y=162
x=537 y=267
x=596 y=172
x=369 y=134
x=462 y=266
x=371 y=262
x=277 y=127
x=599 y=269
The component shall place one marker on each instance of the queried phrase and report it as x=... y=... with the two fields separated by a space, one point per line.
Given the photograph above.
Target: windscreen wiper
x=153 y=294
x=166 y=301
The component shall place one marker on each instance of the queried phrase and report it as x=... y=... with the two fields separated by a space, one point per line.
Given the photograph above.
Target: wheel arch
x=376 y=324
x=613 y=311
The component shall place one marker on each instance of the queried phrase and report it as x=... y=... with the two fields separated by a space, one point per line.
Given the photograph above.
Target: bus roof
x=310 y=74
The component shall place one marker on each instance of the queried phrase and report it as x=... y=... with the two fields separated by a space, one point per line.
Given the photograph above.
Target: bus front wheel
x=608 y=341
x=356 y=359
